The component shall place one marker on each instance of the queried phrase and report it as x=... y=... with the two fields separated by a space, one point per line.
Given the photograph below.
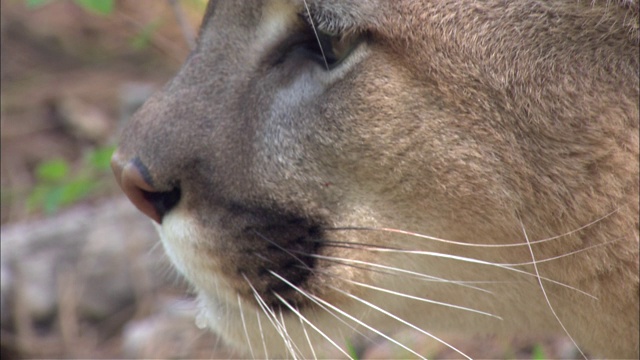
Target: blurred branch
x=187 y=30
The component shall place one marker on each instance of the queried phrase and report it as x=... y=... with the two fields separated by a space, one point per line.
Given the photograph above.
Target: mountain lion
x=320 y=168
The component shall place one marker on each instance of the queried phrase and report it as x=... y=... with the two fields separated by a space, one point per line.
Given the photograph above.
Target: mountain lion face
x=320 y=167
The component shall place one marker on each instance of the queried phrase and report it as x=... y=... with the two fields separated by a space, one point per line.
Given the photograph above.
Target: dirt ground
x=61 y=66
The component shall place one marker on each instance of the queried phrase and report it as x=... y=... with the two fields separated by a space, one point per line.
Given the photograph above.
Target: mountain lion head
x=320 y=168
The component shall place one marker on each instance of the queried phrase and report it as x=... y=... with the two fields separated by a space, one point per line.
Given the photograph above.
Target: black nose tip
x=130 y=175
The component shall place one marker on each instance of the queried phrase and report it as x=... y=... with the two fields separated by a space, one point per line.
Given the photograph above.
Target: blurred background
x=82 y=273
x=71 y=72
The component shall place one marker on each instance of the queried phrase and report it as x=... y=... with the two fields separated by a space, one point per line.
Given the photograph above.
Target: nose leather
x=130 y=177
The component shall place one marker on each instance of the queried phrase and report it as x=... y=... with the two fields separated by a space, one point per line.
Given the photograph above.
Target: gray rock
x=170 y=332
x=111 y=250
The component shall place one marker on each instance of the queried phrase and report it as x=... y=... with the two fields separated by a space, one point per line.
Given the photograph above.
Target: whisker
x=452 y=242
x=396 y=269
x=315 y=32
x=544 y=292
x=333 y=314
x=421 y=277
x=244 y=327
x=271 y=316
x=459 y=258
x=364 y=246
x=154 y=247
x=288 y=252
x=317 y=299
x=575 y=230
x=306 y=334
x=397 y=318
x=300 y=316
x=564 y=255
x=284 y=327
x=276 y=324
x=306 y=267
x=352 y=245
x=422 y=299
x=264 y=343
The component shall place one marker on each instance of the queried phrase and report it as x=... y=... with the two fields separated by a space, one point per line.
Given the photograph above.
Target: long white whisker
x=421 y=276
x=395 y=269
x=306 y=334
x=344 y=313
x=452 y=242
x=544 y=292
x=310 y=323
x=274 y=321
x=305 y=266
x=399 y=270
x=271 y=316
x=313 y=26
x=284 y=328
x=459 y=258
x=422 y=299
x=373 y=306
x=563 y=255
x=330 y=312
x=244 y=327
x=264 y=343
x=154 y=247
x=286 y=251
x=574 y=230
x=355 y=245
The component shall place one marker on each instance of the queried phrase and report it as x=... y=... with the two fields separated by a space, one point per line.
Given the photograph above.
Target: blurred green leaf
x=57 y=185
x=76 y=190
x=352 y=350
x=538 y=353
x=143 y=38
x=199 y=5
x=52 y=199
x=100 y=158
x=35 y=3
x=36 y=196
x=53 y=170
x=101 y=7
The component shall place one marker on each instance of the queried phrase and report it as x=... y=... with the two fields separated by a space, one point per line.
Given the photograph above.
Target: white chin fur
x=179 y=235
x=218 y=307
x=268 y=334
x=239 y=322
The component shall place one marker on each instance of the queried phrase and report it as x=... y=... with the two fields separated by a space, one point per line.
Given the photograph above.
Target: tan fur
x=479 y=122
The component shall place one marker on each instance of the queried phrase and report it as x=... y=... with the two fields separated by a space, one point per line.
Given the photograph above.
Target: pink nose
x=152 y=202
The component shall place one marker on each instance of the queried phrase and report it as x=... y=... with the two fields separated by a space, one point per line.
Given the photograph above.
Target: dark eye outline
x=327 y=50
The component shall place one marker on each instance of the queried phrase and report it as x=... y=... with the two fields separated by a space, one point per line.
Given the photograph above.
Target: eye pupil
x=328 y=50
